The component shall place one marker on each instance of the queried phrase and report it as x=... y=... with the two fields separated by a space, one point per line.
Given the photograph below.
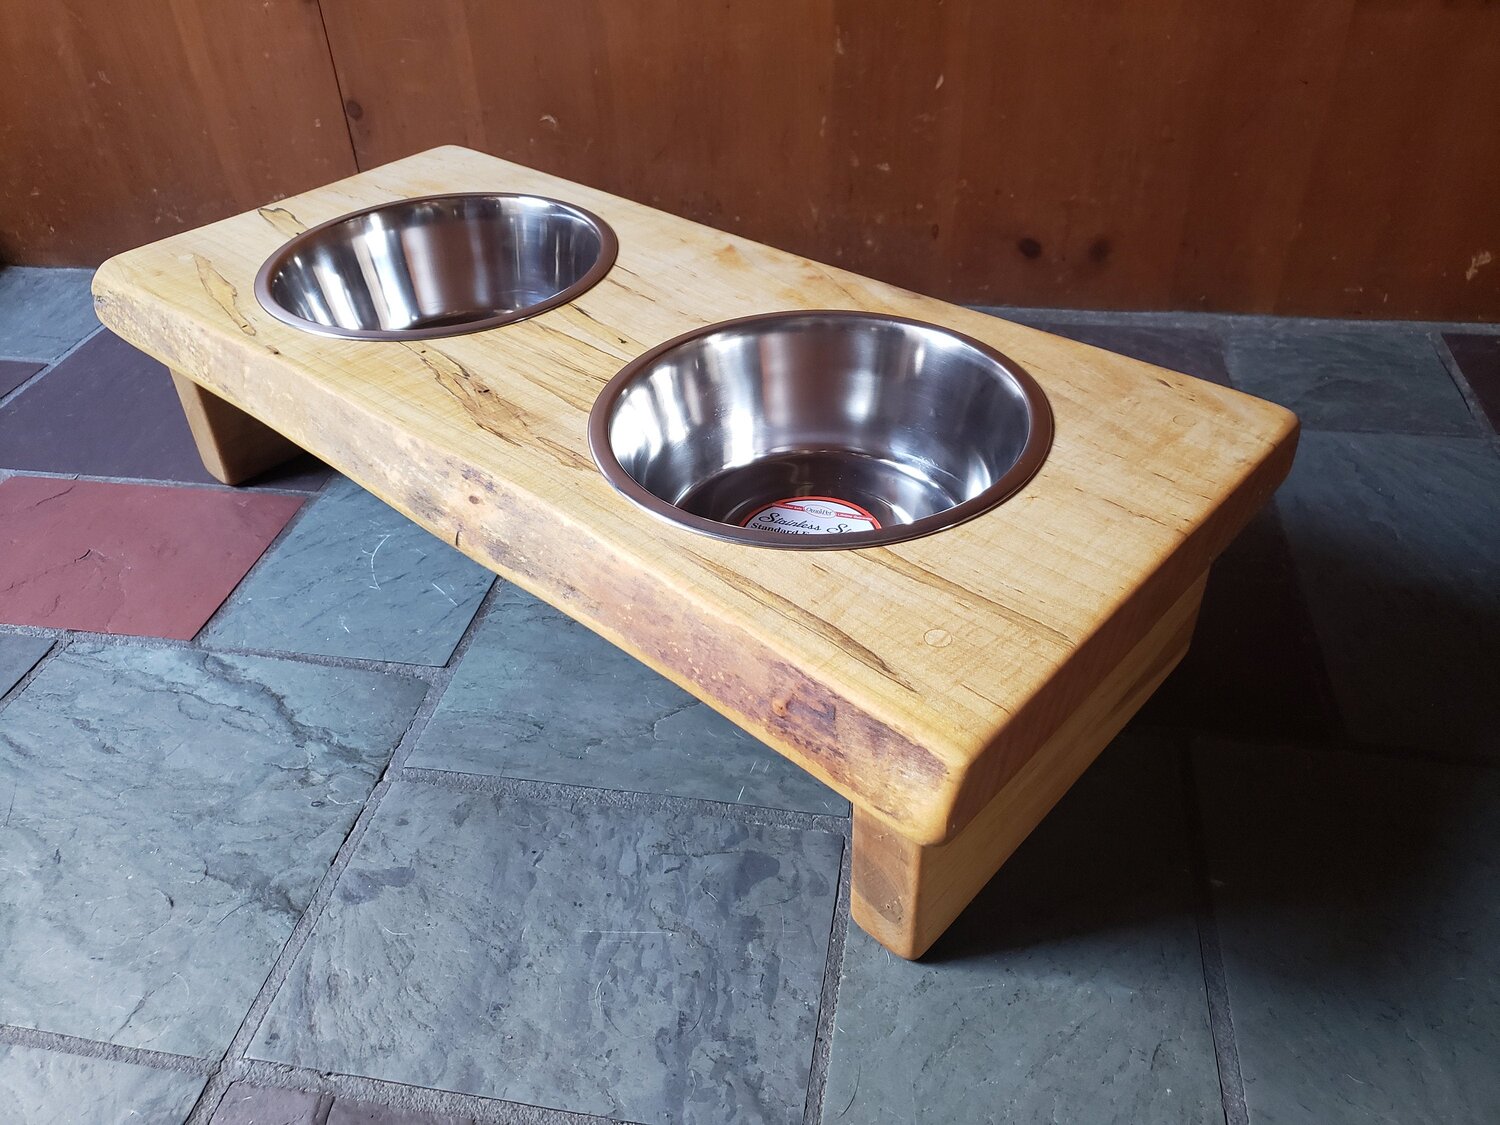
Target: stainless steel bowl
x=441 y=265
x=820 y=429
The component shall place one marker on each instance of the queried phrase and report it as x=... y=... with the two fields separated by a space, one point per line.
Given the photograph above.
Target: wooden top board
x=916 y=678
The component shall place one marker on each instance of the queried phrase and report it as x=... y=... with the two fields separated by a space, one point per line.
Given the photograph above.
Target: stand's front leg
x=233 y=445
x=906 y=894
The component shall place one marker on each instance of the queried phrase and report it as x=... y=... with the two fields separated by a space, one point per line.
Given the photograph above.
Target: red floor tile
x=143 y=560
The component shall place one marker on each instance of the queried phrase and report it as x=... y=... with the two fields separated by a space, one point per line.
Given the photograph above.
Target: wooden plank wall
x=1333 y=157
x=124 y=121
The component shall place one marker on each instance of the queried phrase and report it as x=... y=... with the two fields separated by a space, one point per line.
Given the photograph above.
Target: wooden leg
x=233 y=445
x=906 y=894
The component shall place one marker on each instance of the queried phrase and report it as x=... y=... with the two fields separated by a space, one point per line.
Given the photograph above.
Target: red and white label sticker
x=812 y=515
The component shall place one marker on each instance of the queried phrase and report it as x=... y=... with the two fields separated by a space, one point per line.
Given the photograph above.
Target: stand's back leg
x=233 y=445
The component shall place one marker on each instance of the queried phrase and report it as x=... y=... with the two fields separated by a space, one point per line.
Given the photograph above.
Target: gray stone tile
x=1254 y=669
x=170 y=813
x=48 y=1088
x=1354 y=379
x=538 y=696
x=1071 y=990
x=1397 y=545
x=1355 y=898
x=18 y=655
x=355 y=578
x=244 y=1104
x=44 y=312
x=1031 y=317
x=1193 y=351
x=659 y=967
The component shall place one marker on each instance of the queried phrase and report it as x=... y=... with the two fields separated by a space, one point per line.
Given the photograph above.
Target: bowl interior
x=436 y=266
x=820 y=429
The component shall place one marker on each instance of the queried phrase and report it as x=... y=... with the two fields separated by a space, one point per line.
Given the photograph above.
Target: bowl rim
x=1033 y=452
x=609 y=249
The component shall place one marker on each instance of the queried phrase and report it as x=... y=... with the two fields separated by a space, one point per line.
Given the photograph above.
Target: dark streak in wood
x=493 y=414
x=583 y=312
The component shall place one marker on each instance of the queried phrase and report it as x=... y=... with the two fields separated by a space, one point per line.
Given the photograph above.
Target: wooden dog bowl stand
x=951 y=687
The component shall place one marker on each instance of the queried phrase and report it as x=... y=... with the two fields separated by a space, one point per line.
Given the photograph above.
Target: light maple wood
x=906 y=894
x=916 y=679
x=233 y=445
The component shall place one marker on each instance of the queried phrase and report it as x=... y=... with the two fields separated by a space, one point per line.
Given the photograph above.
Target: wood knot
x=938 y=638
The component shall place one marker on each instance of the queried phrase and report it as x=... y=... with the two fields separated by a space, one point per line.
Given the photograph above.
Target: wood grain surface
x=1307 y=157
x=1327 y=157
x=127 y=121
x=915 y=679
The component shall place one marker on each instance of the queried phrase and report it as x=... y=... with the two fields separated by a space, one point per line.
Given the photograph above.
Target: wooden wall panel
x=1402 y=208
x=1334 y=157
x=122 y=122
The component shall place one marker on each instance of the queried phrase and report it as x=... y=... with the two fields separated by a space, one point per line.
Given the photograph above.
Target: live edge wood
x=920 y=680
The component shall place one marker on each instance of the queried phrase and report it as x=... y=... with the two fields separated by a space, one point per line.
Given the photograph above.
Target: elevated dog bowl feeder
x=952 y=686
x=820 y=429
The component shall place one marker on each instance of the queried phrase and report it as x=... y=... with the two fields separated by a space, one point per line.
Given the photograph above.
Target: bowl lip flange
x=1033 y=453
x=609 y=249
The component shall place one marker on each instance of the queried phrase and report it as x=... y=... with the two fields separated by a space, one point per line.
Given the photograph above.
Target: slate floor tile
x=1478 y=357
x=1397 y=545
x=1193 y=351
x=1071 y=990
x=538 y=696
x=18 y=655
x=110 y=410
x=141 y=560
x=44 y=312
x=658 y=967
x=244 y=1104
x=347 y=1112
x=1357 y=379
x=49 y=1088
x=15 y=372
x=1356 y=907
x=1254 y=669
x=356 y=578
x=170 y=813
